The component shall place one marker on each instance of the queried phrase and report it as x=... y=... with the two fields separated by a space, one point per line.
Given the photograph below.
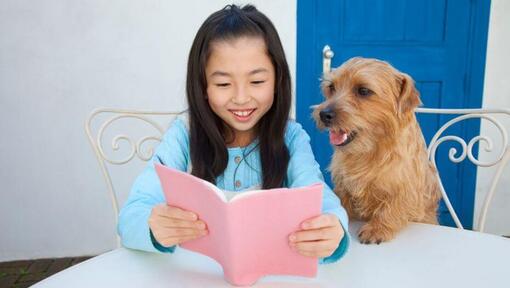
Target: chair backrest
x=492 y=116
x=106 y=117
x=98 y=123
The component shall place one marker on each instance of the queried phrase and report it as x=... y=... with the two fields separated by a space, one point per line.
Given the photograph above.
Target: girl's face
x=240 y=84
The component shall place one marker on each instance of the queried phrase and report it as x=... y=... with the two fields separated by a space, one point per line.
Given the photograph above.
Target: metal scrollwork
x=135 y=149
x=467 y=149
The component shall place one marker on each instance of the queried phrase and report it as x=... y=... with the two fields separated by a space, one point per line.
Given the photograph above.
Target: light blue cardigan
x=174 y=151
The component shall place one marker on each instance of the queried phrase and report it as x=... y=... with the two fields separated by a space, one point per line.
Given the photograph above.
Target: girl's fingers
x=175 y=212
x=315 y=246
x=171 y=241
x=318 y=254
x=169 y=217
x=182 y=232
x=312 y=235
x=324 y=220
x=178 y=223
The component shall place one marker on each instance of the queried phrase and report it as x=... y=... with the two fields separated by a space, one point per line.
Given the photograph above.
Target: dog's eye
x=331 y=88
x=364 y=92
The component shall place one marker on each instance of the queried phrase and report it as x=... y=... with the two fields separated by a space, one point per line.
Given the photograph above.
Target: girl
x=236 y=135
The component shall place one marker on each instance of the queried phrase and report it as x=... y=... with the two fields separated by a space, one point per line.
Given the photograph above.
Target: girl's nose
x=241 y=97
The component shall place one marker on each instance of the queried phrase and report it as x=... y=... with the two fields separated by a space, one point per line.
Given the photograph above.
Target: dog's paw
x=370 y=234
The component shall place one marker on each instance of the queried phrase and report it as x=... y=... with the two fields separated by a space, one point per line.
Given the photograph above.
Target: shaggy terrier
x=380 y=167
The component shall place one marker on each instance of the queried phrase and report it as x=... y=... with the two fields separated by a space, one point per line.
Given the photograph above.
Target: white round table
x=421 y=256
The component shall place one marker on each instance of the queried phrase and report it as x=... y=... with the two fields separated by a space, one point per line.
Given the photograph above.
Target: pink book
x=248 y=234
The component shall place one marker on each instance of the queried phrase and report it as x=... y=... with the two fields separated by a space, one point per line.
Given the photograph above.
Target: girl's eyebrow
x=219 y=73
x=258 y=70
x=222 y=73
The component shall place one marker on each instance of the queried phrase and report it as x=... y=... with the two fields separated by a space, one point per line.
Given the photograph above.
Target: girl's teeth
x=242 y=113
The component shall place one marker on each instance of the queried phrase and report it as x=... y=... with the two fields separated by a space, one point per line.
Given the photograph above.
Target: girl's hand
x=171 y=225
x=319 y=238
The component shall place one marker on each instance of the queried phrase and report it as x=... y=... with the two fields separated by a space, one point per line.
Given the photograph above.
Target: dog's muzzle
x=337 y=137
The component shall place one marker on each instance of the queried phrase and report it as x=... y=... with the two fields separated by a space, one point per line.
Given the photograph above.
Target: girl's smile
x=243 y=115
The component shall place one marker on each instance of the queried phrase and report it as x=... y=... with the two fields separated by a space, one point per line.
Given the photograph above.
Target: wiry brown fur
x=383 y=176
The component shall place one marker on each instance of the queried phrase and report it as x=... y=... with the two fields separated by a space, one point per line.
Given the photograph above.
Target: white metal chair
x=96 y=140
x=98 y=122
x=467 y=151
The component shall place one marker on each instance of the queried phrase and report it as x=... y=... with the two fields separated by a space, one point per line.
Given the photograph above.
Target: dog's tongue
x=337 y=138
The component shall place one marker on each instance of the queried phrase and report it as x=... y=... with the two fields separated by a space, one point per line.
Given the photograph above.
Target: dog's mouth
x=341 y=138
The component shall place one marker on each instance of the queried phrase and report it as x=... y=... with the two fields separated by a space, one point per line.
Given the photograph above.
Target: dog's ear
x=409 y=97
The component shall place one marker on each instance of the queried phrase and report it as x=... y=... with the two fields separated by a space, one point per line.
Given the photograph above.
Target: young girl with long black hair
x=237 y=135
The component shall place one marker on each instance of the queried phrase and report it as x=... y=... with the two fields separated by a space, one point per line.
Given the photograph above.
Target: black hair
x=209 y=155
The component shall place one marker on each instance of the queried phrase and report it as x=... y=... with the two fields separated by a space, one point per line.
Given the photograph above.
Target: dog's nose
x=327 y=115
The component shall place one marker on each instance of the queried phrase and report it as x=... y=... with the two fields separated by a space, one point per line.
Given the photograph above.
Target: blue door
x=440 y=43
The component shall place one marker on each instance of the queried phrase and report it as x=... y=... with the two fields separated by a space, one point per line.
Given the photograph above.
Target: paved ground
x=28 y=272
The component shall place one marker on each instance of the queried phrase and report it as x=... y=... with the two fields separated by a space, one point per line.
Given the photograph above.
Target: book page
x=220 y=193
x=230 y=195
x=248 y=192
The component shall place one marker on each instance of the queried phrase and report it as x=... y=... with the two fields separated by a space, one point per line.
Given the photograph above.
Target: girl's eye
x=222 y=84
x=258 y=82
x=364 y=92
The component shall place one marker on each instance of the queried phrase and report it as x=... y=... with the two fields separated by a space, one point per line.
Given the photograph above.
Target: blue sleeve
x=304 y=170
x=146 y=192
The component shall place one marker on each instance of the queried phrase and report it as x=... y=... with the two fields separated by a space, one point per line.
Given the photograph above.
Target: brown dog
x=380 y=167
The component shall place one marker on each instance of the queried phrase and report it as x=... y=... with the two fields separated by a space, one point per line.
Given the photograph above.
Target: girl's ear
x=409 y=97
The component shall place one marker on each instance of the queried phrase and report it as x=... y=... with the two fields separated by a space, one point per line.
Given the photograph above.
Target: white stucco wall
x=496 y=95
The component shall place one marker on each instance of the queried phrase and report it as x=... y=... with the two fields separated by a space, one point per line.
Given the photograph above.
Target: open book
x=248 y=235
